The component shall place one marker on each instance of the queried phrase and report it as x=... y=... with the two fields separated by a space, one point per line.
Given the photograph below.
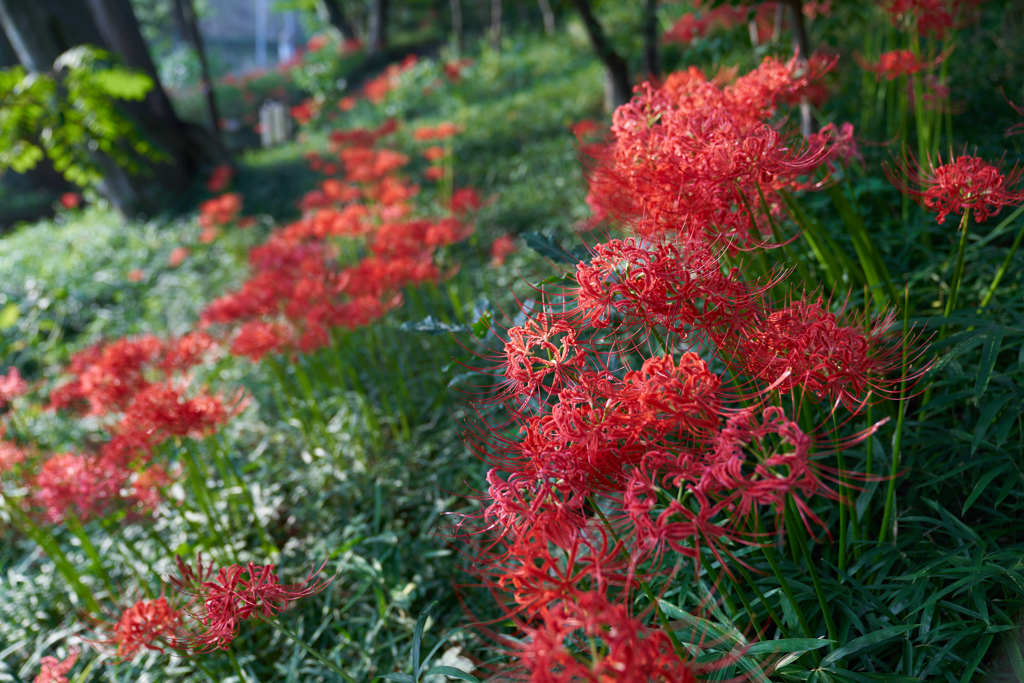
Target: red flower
x=11 y=385
x=10 y=455
x=84 y=482
x=52 y=670
x=962 y=184
x=220 y=603
x=434 y=153
x=347 y=103
x=542 y=353
x=152 y=624
x=220 y=178
x=177 y=256
x=70 y=200
x=501 y=248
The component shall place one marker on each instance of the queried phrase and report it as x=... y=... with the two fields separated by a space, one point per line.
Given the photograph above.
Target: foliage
x=71 y=117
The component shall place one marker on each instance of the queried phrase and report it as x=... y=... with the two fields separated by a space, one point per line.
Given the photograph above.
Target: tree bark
x=495 y=30
x=618 y=87
x=185 y=14
x=803 y=47
x=458 y=27
x=651 y=39
x=335 y=14
x=379 y=26
x=547 y=16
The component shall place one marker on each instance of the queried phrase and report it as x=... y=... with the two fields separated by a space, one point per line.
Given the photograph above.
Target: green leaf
x=124 y=84
x=431 y=325
x=787 y=645
x=989 y=354
x=452 y=672
x=864 y=642
x=9 y=315
x=545 y=245
x=399 y=678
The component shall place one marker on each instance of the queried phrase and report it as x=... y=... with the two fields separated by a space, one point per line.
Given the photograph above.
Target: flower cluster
x=653 y=408
x=298 y=290
x=694 y=156
x=964 y=183
x=219 y=600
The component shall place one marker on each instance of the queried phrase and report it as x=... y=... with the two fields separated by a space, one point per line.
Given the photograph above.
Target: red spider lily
x=691 y=157
x=85 y=483
x=464 y=200
x=958 y=185
x=304 y=112
x=220 y=210
x=898 y=63
x=434 y=153
x=178 y=256
x=434 y=173
x=589 y=638
x=543 y=352
x=11 y=385
x=161 y=411
x=146 y=488
x=935 y=17
x=677 y=285
x=70 y=200
x=441 y=131
x=152 y=624
x=107 y=376
x=807 y=347
x=500 y=248
x=257 y=338
x=347 y=103
x=10 y=455
x=220 y=178
x=218 y=603
x=52 y=670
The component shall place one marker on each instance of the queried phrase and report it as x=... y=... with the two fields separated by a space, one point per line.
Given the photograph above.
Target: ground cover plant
x=510 y=389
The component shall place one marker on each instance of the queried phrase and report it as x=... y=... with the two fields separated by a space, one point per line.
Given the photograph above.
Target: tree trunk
x=458 y=28
x=495 y=29
x=548 y=16
x=39 y=31
x=618 y=88
x=335 y=14
x=379 y=26
x=803 y=47
x=651 y=39
x=185 y=15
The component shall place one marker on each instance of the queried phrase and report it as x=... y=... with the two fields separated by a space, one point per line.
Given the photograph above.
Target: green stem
x=662 y=619
x=795 y=530
x=897 y=439
x=958 y=272
x=306 y=646
x=1002 y=269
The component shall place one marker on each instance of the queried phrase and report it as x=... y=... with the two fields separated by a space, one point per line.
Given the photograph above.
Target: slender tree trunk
x=547 y=15
x=803 y=47
x=458 y=28
x=495 y=29
x=618 y=88
x=335 y=14
x=185 y=14
x=379 y=26
x=651 y=39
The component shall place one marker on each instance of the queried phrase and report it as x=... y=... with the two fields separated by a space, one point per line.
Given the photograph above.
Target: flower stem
x=958 y=273
x=306 y=646
x=1002 y=269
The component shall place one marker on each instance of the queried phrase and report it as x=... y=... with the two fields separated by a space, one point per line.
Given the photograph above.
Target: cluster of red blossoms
x=298 y=291
x=961 y=184
x=706 y=19
x=651 y=407
x=140 y=387
x=695 y=156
